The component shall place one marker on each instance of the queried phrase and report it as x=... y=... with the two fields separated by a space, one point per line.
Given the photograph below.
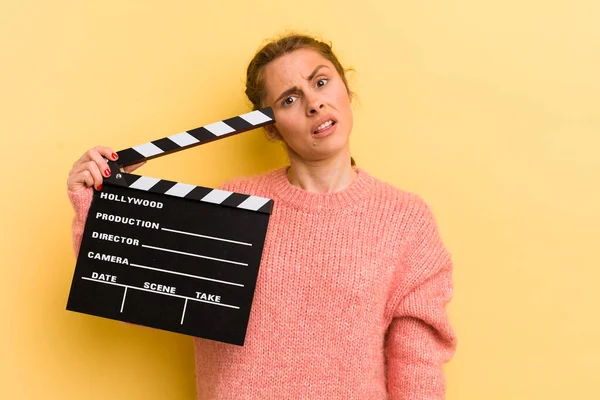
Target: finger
x=89 y=155
x=107 y=152
x=80 y=180
x=91 y=169
x=97 y=155
x=79 y=168
x=133 y=167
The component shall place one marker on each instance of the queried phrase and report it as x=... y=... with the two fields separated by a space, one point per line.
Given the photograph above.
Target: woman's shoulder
x=393 y=192
x=399 y=199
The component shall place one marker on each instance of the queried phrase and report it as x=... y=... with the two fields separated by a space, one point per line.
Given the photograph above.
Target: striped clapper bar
x=170 y=255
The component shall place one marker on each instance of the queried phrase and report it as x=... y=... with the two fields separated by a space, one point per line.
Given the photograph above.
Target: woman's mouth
x=324 y=127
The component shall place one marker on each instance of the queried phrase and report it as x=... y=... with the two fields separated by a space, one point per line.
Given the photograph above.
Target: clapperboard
x=170 y=255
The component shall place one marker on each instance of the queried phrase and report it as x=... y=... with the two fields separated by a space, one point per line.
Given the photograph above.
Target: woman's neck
x=324 y=176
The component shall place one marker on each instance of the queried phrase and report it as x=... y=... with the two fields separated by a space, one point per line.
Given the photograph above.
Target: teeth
x=324 y=125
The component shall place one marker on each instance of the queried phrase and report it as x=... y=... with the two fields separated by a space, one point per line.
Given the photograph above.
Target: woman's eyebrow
x=312 y=75
x=287 y=93
x=295 y=88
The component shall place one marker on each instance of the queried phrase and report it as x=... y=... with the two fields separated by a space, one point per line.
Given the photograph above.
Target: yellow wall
x=488 y=109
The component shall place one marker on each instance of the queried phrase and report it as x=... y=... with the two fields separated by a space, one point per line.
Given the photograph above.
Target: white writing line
x=183 y=314
x=123 y=303
x=189 y=275
x=165 y=294
x=194 y=255
x=206 y=237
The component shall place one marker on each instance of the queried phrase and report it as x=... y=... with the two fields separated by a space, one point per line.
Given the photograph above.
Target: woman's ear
x=272 y=132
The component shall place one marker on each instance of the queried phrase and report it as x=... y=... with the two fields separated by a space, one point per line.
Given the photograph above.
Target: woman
x=354 y=278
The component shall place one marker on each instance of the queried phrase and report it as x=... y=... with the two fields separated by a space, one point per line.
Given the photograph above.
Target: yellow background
x=488 y=109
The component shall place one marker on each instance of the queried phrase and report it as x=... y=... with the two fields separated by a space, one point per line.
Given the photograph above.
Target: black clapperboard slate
x=169 y=255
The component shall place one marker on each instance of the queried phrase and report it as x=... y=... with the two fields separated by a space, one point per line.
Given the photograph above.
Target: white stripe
x=147 y=149
x=183 y=139
x=189 y=275
x=183 y=314
x=253 y=203
x=194 y=255
x=217 y=196
x=219 y=128
x=255 y=117
x=123 y=303
x=144 y=183
x=180 y=189
x=205 y=236
x=154 y=291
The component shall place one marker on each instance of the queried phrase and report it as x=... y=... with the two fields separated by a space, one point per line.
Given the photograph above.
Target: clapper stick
x=185 y=140
x=171 y=255
x=194 y=137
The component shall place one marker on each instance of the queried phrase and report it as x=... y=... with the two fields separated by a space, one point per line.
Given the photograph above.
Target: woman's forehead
x=298 y=62
x=292 y=69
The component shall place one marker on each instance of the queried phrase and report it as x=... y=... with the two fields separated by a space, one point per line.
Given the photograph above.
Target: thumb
x=133 y=167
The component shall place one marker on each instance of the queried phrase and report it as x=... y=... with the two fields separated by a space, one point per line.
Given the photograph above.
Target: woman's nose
x=314 y=105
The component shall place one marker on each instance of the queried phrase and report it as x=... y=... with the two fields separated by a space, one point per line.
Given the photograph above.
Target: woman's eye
x=322 y=82
x=288 y=101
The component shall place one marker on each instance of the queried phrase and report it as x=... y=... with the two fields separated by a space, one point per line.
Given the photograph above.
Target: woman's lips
x=326 y=131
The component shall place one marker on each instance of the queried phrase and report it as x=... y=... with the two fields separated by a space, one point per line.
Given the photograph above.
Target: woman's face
x=311 y=106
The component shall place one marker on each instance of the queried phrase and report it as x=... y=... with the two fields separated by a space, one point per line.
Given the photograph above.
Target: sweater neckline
x=302 y=199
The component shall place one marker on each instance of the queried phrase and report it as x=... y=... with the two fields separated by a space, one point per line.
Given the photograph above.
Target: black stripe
x=166 y=144
x=198 y=193
x=129 y=156
x=162 y=186
x=239 y=124
x=267 y=208
x=202 y=134
x=268 y=111
x=130 y=179
x=234 y=199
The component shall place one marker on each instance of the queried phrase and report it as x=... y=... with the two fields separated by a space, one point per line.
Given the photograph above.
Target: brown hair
x=255 y=84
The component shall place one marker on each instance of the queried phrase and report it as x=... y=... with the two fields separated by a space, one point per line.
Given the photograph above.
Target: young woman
x=354 y=279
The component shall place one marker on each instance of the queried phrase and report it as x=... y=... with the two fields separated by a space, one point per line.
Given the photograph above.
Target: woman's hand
x=91 y=168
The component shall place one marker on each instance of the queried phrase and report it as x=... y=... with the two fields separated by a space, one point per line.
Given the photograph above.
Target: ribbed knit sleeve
x=420 y=339
x=81 y=201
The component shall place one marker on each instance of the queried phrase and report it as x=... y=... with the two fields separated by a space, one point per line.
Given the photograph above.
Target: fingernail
x=99 y=187
x=114 y=156
x=107 y=172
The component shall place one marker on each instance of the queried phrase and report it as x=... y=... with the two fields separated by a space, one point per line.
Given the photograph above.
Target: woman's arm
x=87 y=172
x=81 y=201
x=420 y=339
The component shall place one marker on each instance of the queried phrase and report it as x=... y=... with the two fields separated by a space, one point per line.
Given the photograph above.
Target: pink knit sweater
x=349 y=303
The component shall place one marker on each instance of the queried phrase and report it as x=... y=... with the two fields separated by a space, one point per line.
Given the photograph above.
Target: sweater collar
x=299 y=198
